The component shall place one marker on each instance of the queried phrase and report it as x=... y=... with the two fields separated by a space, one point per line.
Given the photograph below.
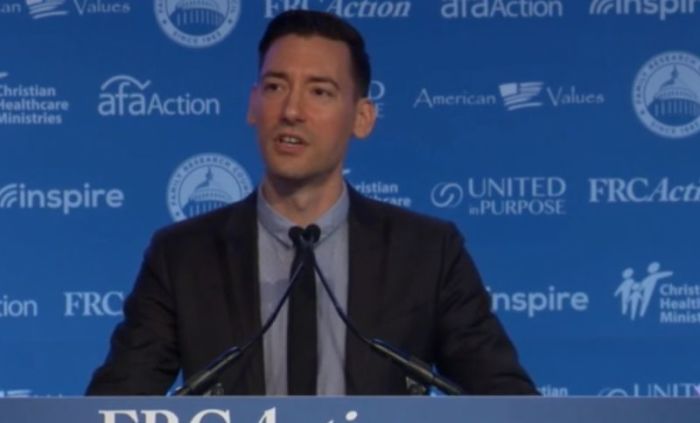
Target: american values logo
x=521 y=95
x=204 y=183
x=41 y=9
x=676 y=303
x=666 y=94
x=197 y=23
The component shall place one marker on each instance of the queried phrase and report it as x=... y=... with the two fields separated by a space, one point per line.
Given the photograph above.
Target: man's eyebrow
x=313 y=79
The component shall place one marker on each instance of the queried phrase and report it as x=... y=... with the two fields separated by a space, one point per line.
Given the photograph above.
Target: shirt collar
x=278 y=225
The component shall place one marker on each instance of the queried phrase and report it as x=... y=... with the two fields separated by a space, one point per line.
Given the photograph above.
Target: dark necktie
x=302 y=361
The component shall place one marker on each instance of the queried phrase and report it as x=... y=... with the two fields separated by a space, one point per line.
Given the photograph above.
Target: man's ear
x=365 y=117
x=252 y=106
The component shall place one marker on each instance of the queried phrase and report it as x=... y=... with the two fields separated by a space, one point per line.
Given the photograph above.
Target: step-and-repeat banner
x=562 y=136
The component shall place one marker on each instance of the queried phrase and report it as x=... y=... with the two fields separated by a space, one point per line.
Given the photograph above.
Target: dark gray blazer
x=411 y=283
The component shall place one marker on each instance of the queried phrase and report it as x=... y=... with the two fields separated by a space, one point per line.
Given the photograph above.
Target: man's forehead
x=294 y=49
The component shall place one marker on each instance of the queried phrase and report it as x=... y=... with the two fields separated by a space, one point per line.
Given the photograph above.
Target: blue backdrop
x=561 y=136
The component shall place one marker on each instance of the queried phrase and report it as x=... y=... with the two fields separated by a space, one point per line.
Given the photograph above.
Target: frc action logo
x=676 y=303
x=666 y=94
x=206 y=182
x=356 y=9
x=197 y=23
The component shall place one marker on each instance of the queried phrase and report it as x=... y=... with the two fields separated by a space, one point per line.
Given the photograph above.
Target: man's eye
x=271 y=87
x=322 y=92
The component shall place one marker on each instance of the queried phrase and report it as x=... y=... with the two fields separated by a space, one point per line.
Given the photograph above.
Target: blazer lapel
x=367 y=271
x=242 y=291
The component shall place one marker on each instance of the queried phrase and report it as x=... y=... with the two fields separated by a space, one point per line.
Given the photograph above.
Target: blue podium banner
x=349 y=409
x=561 y=136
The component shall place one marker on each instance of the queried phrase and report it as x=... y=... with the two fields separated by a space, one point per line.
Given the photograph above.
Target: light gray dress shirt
x=276 y=252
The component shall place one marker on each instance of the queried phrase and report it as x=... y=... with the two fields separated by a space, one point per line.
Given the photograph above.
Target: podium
x=349 y=409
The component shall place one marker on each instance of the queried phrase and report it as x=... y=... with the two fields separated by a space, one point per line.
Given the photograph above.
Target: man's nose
x=293 y=108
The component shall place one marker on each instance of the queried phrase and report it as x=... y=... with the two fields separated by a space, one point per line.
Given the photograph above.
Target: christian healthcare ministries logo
x=206 y=182
x=677 y=303
x=31 y=104
x=659 y=8
x=197 y=23
x=666 y=94
x=124 y=95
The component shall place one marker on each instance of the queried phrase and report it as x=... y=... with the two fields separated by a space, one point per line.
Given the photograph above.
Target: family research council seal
x=666 y=94
x=197 y=23
x=206 y=182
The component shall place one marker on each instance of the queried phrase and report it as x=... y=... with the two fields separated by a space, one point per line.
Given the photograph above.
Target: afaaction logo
x=533 y=303
x=23 y=197
x=511 y=9
x=658 y=8
x=15 y=308
x=124 y=95
x=358 y=9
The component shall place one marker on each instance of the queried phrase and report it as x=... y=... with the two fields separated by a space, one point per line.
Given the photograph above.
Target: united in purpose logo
x=666 y=94
x=197 y=23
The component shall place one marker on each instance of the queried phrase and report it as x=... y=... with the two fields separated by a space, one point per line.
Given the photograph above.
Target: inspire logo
x=40 y=9
x=659 y=8
x=124 y=95
x=19 y=196
x=520 y=95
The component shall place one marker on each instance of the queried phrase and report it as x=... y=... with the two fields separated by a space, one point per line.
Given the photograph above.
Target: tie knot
x=306 y=237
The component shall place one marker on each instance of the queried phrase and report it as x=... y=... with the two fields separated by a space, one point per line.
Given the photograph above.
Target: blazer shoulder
x=213 y=224
x=400 y=220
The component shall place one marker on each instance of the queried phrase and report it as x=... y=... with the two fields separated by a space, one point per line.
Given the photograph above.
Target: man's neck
x=302 y=203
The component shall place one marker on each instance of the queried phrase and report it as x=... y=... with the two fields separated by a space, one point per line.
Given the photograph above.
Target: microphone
x=416 y=368
x=206 y=380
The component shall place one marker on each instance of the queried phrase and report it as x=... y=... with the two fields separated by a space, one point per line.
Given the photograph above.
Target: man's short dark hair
x=306 y=23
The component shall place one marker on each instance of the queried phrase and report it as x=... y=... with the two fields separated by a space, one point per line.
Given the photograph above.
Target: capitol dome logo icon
x=666 y=94
x=197 y=23
x=206 y=182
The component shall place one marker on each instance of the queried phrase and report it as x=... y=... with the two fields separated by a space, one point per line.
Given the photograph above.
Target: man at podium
x=361 y=271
